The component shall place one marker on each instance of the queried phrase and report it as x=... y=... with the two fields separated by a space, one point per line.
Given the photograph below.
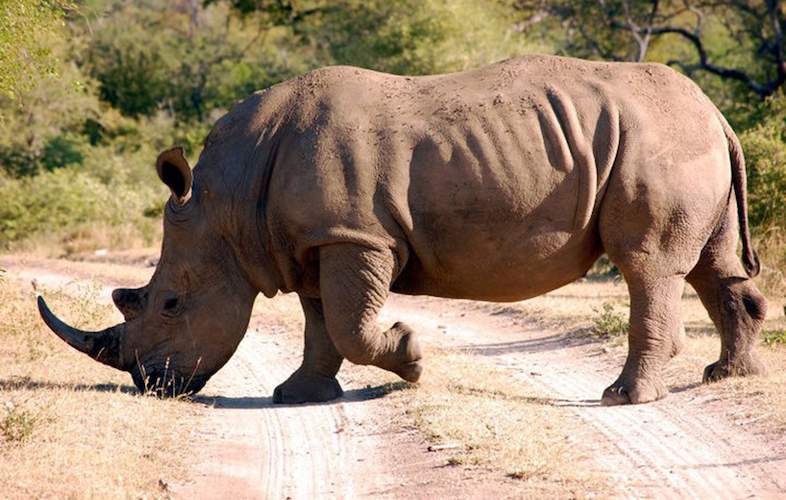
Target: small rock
x=446 y=446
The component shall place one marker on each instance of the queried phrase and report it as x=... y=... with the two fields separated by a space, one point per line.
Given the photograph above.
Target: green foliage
x=773 y=338
x=65 y=199
x=604 y=267
x=151 y=56
x=134 y=78
x=609 y=322
x=26 y=28
x=765 y=153
x=62 y=151
x=412 y=37
x=44 y=125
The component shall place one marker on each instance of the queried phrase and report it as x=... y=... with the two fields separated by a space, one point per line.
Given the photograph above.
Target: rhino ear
x=173 y=170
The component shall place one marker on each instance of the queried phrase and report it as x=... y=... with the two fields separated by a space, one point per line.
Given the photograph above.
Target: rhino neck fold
x=250 y=238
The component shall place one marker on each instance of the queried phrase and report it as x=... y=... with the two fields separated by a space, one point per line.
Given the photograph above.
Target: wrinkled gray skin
x=497 y=184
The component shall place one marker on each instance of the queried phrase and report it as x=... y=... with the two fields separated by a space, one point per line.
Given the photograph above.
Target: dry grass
x=69 y=427
x=749 y=400
x=759 y=400
x=772 y=250
x=90 y=237
x=491 y=424
x=496 y=422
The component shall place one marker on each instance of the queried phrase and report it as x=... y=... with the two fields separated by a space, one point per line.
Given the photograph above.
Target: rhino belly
x=496 y=243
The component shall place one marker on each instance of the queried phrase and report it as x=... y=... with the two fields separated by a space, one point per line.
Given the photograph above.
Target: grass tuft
x=61 y=411
x=774 y=338
x=608 y=322
x=491 y=419
x=18 y=422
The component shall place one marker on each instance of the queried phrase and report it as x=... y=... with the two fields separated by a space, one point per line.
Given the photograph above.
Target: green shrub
x=609 y=323
x=774 y=338
x=765 y=154
x=67 y=198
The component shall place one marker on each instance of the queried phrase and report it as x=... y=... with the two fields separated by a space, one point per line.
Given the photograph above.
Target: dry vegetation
x=588 y=306
x=497 y=423
x=69 y=427
x=61 y=412
x=479 y=415
x=74 y=243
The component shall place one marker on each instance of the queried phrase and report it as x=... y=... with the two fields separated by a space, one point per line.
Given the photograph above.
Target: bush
x=774 y=338
x=765 y=154
x=66 y=199
x=609 y=323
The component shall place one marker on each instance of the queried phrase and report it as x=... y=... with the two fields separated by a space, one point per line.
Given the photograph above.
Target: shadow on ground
x=259 y=402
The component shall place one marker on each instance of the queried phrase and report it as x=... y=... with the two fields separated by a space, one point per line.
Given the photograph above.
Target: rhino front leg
x=354 y=283
x=315 y=380
x=655 y=328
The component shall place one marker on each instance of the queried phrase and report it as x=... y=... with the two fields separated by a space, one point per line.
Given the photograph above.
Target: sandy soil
x=246 y=447
x=682 y=446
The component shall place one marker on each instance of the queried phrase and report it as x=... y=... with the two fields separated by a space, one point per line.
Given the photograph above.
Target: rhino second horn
x=103 y=346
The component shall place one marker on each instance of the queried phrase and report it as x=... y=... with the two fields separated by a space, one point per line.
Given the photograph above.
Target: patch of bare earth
x=466 y=432
x=462 y=433
x=507 y=407
x=719 y=440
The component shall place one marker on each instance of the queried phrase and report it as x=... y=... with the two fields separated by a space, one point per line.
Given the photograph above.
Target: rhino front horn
x=103 y=346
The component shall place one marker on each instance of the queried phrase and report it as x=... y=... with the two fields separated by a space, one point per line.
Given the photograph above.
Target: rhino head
x=186 y=323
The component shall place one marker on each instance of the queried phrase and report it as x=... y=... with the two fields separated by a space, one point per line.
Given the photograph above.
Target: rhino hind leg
x=734 y=304
x=354 y=284
x=315 y=380
x=654 y=337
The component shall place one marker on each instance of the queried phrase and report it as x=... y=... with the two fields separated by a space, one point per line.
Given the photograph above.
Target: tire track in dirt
x=662 y=450
x=245 y=447
x=249 y=447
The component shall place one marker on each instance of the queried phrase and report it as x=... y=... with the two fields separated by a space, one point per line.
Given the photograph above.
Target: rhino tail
x=750 y=259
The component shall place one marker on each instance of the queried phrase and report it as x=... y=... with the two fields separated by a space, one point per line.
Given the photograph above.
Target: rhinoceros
x=496 y=184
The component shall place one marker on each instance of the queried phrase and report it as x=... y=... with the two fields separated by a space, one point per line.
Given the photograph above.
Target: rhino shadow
x=266 y=402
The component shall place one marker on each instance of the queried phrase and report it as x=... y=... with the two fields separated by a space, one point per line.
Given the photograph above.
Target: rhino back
x=476 y=178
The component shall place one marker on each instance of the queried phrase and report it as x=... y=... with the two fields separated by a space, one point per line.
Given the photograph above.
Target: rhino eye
x=171 y=306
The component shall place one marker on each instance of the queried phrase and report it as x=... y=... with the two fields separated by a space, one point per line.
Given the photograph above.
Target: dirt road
x=683 y=446
x=677 y=447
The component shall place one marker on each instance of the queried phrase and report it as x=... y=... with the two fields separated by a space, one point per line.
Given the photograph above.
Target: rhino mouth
x=165 y=382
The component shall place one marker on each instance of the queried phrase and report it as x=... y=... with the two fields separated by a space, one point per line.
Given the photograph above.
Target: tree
x=183 y=58
x=403 y=37
x=753 y=54
x=26 y=26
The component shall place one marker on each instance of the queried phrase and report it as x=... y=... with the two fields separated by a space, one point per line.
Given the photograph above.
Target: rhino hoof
x=301 y=388
x=718 y=371
x=639 y=392
x=410 y=355
x=614 y=396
